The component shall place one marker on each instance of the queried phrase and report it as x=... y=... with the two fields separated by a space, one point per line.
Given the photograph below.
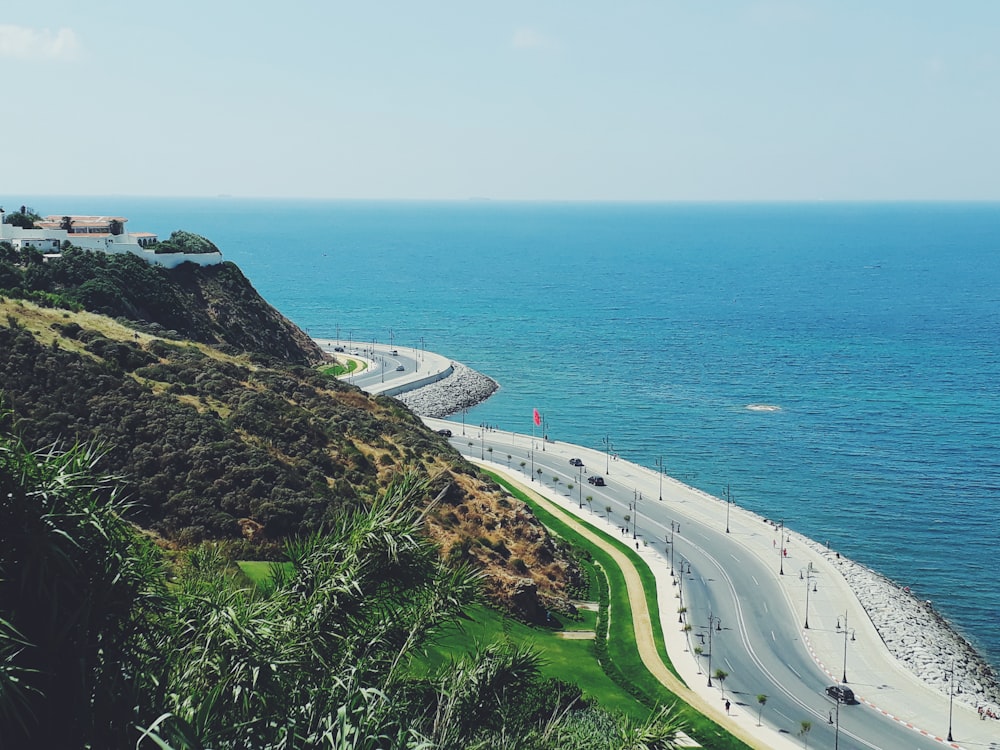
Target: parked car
x=446 y=433
x=575 y=462
x=596 y=481
x=841 y=694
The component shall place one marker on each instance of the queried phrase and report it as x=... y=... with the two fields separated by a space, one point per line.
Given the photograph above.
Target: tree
x=698 y=651
x=66 y=223
x=721 y=675
x=607 y=510
x=523 y=464
x=804 y=729
x=538 y=471
x=590 y=502
x=761 y=700
x=661 y=731
x=115 y=227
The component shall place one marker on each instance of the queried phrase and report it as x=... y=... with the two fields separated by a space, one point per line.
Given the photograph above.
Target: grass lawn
x=258 y=571
x=570 y=660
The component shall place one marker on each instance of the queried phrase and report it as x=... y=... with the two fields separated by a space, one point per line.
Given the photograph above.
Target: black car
x=446 y=433
x=575 y=462
x=841 y=694
x=596 y=481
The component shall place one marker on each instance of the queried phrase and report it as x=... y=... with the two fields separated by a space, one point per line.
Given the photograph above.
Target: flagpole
x=532 y=451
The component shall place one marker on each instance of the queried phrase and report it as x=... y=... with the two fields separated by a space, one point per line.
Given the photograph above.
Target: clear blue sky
x=452 y=99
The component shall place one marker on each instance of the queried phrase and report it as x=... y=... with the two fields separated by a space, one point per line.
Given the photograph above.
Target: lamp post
x=482 y=441
x=808 y=578
x=729 y=499
x=836 y=733
x=579 y=483
x=608 y=445
x=680 y=582
x=781 y=547
x=659 y=466
x=844 y=677
x=951 y=697
x=671 y=543
x=635 y=508
x=717 y=621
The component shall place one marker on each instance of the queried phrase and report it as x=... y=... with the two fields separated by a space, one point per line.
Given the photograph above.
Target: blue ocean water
x=875 y=328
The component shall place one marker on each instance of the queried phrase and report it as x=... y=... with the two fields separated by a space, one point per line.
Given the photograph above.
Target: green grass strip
x=621 y=660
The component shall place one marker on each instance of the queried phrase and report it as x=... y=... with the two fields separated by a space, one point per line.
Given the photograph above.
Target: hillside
x=210 y=305
x=219 y=437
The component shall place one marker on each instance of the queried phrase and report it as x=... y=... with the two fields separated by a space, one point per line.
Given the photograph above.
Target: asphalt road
x=756 y=640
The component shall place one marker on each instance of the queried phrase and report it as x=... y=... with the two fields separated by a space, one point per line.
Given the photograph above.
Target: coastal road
x=761 y=643
x=757 y=638
x=382 y=362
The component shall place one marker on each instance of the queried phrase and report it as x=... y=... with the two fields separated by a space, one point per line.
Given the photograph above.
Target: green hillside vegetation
x=109 y=647
x=185 y=242
x=210 y=305
x=120 y=603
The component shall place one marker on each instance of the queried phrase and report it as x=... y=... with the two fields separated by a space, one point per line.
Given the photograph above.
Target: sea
x=835 y=365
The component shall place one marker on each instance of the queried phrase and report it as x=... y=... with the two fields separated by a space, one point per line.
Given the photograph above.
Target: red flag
x=538 y=417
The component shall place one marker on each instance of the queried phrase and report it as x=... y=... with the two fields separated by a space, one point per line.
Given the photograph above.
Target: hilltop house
x=107 y=234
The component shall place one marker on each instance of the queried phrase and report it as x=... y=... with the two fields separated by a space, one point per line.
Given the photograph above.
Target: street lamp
x=951 y=697
x=729 y=499
x=635 y=508
x=659 y=466
x=717 y=622
x=781 y=547
x=844 y=678
x=808 y=578
x=671 y=543
x=608 y=445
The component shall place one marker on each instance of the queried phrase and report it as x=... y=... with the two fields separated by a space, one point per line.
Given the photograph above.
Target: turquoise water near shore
x=874 y=329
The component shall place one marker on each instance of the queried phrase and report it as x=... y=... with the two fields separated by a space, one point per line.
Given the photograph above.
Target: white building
x=107 y=234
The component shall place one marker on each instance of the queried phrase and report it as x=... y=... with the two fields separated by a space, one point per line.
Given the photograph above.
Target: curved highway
x=731 y=581
x=755 y=639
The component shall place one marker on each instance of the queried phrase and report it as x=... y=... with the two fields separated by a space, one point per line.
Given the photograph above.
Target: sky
x=693 y=100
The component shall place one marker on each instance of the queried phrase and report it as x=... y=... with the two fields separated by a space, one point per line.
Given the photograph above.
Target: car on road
x=596 y=481
x=446 y=433
x=841 y=694
x=399 y=368
x=575 y=462
x=338 y=348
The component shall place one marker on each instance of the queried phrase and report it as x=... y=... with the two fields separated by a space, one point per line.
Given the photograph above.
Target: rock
x=462 y=389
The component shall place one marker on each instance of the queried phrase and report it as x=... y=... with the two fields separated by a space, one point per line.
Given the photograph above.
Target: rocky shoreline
x=462 y=389
x=919 y=637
